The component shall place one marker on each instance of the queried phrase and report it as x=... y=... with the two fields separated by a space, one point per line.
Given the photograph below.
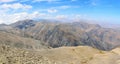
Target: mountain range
x=53 y=42
x=58 y=34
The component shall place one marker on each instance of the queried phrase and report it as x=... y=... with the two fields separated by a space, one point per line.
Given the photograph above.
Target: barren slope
x=20 y=42
x=62 y=55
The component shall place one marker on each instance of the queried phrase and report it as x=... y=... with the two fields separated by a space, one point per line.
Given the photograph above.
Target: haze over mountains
x=52 y=42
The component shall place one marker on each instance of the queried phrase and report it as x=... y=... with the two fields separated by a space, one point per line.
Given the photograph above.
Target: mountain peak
x=23 y=24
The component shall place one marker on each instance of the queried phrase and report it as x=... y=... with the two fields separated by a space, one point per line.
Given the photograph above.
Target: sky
x=101 y=11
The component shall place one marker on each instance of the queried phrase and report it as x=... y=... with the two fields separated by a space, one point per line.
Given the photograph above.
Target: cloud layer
x=15 y=6
x=14 y=10
x=7 y=0
x=11 y=18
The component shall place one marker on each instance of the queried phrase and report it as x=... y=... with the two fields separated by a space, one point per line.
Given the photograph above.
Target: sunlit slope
x=62 y=55
x=82 y=55
x=20 y=42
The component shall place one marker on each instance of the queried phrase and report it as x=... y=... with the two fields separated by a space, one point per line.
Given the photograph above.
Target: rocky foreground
x=62 y=55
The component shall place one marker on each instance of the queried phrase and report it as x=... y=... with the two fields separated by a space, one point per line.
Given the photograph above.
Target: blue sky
x=102 y=11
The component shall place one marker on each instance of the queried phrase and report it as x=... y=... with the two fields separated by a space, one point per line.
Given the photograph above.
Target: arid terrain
x=46 y=42
x=57 y=34
x=62 y=55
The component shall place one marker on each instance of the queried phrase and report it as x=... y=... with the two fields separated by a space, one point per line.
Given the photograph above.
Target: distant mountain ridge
x=67 y=34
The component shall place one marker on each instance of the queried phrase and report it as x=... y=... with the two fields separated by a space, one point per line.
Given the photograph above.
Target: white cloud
x=61 y=17
x=52 y=10
x=55 y=1
x=73 y=0
x=49 y=10
x=57 y=8
x=46 y=0
x=7 y=0
x=24 y=0
x=1 y=21
x=15 y=6
x=64 y=7
x=94 y=2
x=11 y=18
